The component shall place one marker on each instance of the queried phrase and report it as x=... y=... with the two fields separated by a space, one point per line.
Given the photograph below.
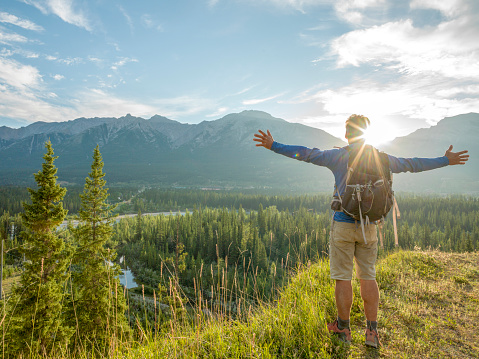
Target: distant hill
x=461 y=132
x=219 y=153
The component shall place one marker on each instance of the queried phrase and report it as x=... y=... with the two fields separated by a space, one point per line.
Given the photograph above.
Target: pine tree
x=98 y=301
x=38 y=325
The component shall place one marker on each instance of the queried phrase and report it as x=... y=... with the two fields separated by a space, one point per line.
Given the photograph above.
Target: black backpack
x=369 y=195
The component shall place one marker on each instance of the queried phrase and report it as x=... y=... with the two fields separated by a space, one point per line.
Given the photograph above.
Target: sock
x=372 y=325
x=342 y=324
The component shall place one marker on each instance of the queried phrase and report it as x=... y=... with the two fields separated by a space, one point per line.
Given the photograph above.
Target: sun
x=376 y=135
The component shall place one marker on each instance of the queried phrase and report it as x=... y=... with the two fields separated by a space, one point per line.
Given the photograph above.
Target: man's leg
x=341 y=254
x=344 y=298
x=370 y=295
x=366 y=254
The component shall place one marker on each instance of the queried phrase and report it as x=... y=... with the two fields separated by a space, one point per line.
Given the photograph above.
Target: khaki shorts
x=347 y=242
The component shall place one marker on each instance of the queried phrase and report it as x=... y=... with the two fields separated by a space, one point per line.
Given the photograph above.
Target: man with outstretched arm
x=346 y=238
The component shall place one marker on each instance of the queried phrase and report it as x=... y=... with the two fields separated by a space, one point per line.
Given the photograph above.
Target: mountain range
x=219 y=153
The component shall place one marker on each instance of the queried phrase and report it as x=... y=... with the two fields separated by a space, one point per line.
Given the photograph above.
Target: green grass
x=428 y=309
x=425 y=312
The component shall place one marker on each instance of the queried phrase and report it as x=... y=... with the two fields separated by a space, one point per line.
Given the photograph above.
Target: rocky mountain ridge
x=160 y=151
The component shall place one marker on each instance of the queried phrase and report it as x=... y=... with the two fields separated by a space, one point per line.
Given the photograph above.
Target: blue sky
x=405 y=64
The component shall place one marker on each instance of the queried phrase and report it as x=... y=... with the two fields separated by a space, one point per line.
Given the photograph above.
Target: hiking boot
x=372 y=338
x=343 y=334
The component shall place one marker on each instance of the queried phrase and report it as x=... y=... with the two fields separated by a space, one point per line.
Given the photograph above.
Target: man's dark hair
x=356 y=125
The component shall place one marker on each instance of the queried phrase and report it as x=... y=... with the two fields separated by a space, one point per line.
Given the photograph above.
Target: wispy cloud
x=122 y=62
x=19 y=51
x=23 y=96
x=129 y=21
x=65 y=10
x=243 y=91
x=8 y=38
x=450 y=49
x=18 y=105
x=150 y=23
x=12 y=19
x=448 y=8
x=68 y=60
x=182 y=106
x=97 y=102
x=19 y=97
x=354 y=12
x=261 y=100
x=218 y=113
x=18 y=76
x=58 y=77
x=298 y=4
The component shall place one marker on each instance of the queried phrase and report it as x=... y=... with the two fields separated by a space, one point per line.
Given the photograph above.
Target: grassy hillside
x=428 y=309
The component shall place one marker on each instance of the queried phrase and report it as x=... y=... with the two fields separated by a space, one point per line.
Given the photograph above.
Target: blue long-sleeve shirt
x=337 y=161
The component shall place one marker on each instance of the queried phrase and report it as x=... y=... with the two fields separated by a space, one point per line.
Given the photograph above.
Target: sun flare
x=375 y=136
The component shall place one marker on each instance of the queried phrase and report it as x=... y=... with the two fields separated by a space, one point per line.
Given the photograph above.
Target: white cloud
x=122 y=62
x=31 y=108
x=7 y=38
x=353 y=10
x=417 y=99
x=31 y=55
x=35 y=106
x=128 y=18
x=244 y=90
x=212 y=2
x=299 y=5
x=64 y=9
x=71 y=60
x=18 y=76
x=182 y=106
x=150 y=23
x=448 y=8
x=14 y=20
x=219 y=112
x=58 y=77
x=406 y=75
x=95 y=60
x=449 y=49
x=98 y=103
x=261 y=100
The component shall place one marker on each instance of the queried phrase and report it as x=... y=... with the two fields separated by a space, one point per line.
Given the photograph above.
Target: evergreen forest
x=220 y=251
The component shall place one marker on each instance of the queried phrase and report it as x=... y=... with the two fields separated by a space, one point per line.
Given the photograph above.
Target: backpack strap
x=396 y=216
x=380 y=230
x=361 y=218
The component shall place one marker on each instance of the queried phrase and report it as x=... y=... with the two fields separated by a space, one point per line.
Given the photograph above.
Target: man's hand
x=265 y=140
x=456 y=158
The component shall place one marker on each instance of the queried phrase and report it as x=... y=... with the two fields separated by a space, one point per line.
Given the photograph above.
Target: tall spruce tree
x=98 y=300
x=37 y=322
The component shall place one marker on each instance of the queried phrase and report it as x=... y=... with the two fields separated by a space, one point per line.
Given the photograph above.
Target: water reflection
x=127 y=279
